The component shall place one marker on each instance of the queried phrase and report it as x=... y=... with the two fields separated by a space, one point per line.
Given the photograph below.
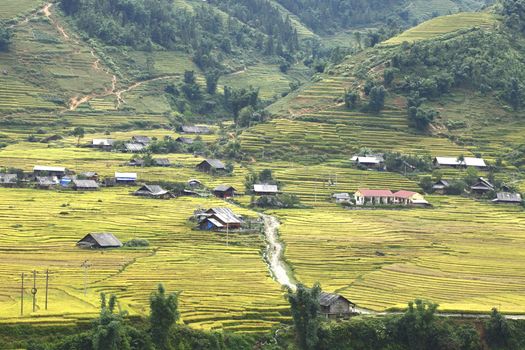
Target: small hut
x=85 y=185
x=185 y=140
x=99 y=241
x=335 y=305
x=507 y=198
x=143 y=140
x=44 y=170
x=125 y=178
x=8 y=180
x=440 y=186
x=210 y=165
x=224 y=191
x=265 y=189
x=153 y=191
x=482 y=187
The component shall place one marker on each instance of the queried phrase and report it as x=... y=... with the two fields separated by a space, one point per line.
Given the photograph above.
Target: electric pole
x=22 y=297
x=34 y=291
x=86 y=265
x=47 y=285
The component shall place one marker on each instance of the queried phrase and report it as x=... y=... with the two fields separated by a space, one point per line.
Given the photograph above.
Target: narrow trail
x=279 y=269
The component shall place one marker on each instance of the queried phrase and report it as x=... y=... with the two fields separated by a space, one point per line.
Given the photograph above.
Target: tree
x=79 y=133
x=514 y=93
x=163 y=315
x=388 y=76
x=304 y=304
x=377 y=98
x=497 y=330
x=421 y=118
x=212 y=79
x=426 y=183
x=110 y=332
x=5 y=37
x=351 y=99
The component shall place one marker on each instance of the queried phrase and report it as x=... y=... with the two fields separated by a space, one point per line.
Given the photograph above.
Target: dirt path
x=279 y=269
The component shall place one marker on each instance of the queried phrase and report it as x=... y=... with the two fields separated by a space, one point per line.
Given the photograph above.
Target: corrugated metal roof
x=105 y=240
x=215 y=163
x=267 y=188
x=508 y=197
x=134 y=147
x=327 y=299
x=223 y=188
x=103 y=142
x=185 y=140
x=49 y=168
x=47 y=180
x=126 y=176
x=469 y=161
x=369 y=160
x=85 y=183
x=162 y=161
x=195 y=129
x=8 y=178
x=341 y=196
x=404 y=194
x=141 y=139
x=375 y=193
x=225 y=215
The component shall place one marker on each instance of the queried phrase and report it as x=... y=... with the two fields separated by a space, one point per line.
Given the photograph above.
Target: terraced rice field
x=463 y=254
x=11 y=9
x=441 y=26
x=42 y=227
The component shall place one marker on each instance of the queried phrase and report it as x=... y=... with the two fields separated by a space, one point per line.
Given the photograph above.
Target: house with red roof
x=364 y=196
x=409 y=198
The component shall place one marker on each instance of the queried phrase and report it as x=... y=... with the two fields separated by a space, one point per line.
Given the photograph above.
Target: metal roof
x=154 y=190
x=214 y=163
x=162 y=161
x=141 y=139
x=267 y=188
x=126 y=176
x=404 y=194
x=369 y=160
x=185 y=140
x=482 y=184
x=8 y=178
x=375 y=193
x=49 y=168
x=105 y=240
x=195 y=129
x=103 y=142
x=453 y=161
x=223 y=188
x=327 y=299
x=134 y=147
x=225 y=215
x=341 y=196
x=47 y=180
x=508 y=197
x=85 y=183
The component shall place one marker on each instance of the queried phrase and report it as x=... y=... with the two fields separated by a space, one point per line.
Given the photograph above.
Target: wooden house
x=224 y=191
x=46 y=182
x=454 y=162
x=265 y=190
x=85 y=185
x=440 y=186
x=105 y=144
x=194 y=183
x=125 y=178
x=143 y=140
x=165 y=162
x=136 y=162
x=210 y=165
x=44 y=170
x=507 y=198
x=99 y=241
x=153 y=191
x=185 y=140
x=335 y=306
x=134 y=147
x=225 y=216
x=89 y=175
x=371 y=161
x=8 y=180
x=481 y=187
x=365 y=196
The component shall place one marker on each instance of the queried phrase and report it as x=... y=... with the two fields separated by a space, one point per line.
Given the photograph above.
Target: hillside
x=290 y=88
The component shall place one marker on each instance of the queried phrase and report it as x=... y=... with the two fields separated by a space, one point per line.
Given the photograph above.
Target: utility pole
x=227 y=234
x=22 y=297
x=86 y=265
x=47 y=285
x=34 y=291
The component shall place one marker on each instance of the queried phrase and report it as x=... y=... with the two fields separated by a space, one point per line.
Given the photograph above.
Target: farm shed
x=99 y=240
x=194 y=183
x=210 y=165
x=456 y=163
x=44 y=170
x=507 y=198
x=210 y=224
x=440 y=186
x=224 y=191
x=365 y=196
x=188 y=129
x=126 y=178
x=134 y=147
x=8 y=180
x=89 y=175
x=85 y=185
x=335 y=305
x=153 y=191
x=136 y=162
x=481 y=187
x=102 y=143
x=341 y=197
x=143 y=140
x=225 y=216
x=265 y=189
x=185 y=140
x=372 y=161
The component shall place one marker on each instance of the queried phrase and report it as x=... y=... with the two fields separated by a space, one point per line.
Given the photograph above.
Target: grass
x=11 y=9
x=440 y=26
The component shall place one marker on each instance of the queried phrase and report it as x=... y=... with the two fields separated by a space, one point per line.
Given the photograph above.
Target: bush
x=137 y=242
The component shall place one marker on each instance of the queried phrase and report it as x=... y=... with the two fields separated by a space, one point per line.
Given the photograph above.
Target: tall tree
x=79 y=133
x=5 y=37
x=163 y=315
x=304 y=304
x=110 y=332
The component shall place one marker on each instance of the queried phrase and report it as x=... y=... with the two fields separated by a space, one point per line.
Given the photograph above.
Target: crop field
x=10 y=9
x=42 y=227
x=441 y=26
x=463 y=254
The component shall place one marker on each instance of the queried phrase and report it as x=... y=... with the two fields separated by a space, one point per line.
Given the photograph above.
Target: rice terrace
x=363 y=156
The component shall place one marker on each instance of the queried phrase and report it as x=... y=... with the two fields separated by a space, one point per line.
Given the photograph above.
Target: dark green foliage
x=388 y=76
x=280 y=201
x=304 y=305
x=79 y=133
x=5 y=37
x=264 y=176
x=137 y=242
x=513 y=12
x=237 y=99
x=421 y=118
x=497 y=330
x=425 y=182
x=404 y=163
x=377 y=98
x=163 y=315
x=109 y=332
x=351 y=99
x=212 y=78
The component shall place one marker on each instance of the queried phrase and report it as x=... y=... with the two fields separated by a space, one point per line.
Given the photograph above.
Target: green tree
x=5 y=37
x=388 y=76
x=79 y=133
x=110 y=332
x=163 y=315
x=304 y=304
x=351 y=99
x=377 y=98
x=498 y=331
x=212 y=79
